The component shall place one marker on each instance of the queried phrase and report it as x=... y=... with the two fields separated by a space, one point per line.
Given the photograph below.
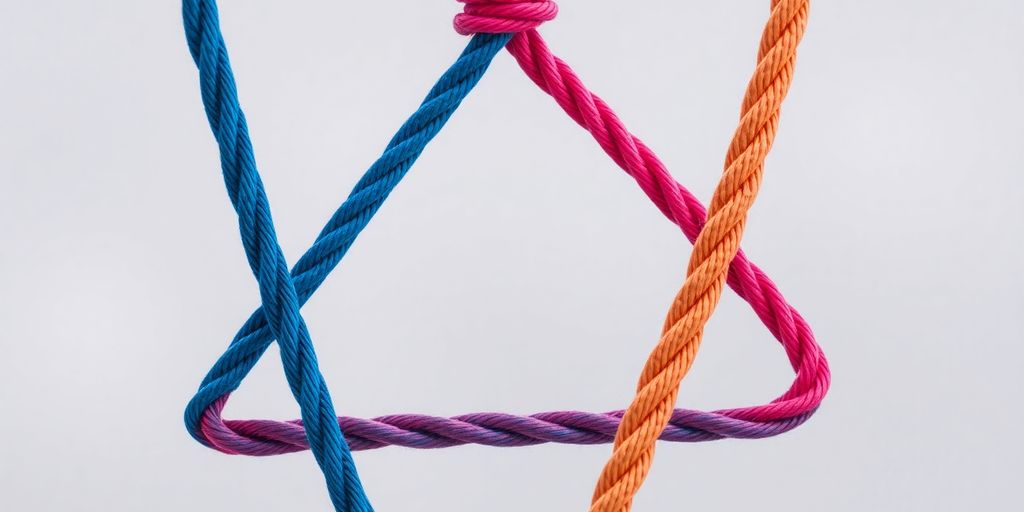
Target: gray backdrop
x=516 y=269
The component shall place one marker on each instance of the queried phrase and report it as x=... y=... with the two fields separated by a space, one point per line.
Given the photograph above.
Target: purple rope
x=268 y=437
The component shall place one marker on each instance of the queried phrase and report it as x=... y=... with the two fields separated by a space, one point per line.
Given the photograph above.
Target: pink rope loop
x=503 y=16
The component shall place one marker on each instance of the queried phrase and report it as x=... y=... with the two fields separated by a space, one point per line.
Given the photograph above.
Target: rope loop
x=503 y=16
x=716 y=261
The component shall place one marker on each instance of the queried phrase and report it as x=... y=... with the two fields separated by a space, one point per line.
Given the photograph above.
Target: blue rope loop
x=283 y=292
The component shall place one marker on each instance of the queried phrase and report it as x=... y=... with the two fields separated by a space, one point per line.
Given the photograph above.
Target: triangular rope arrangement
x=715 y=261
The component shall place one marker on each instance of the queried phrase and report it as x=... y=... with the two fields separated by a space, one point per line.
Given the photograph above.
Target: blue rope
x=283 y=292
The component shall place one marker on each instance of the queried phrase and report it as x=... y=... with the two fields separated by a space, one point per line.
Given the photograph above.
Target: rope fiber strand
x=270 y=437
x=557 y=78
x=279 y=317
x=716 y=233
x=716 y=246
x=266 y=259
x=203 y=413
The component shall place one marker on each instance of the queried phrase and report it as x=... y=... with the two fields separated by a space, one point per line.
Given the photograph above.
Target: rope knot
x=503 y=16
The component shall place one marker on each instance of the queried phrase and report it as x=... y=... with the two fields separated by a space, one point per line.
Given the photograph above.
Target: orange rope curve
x=714 y=250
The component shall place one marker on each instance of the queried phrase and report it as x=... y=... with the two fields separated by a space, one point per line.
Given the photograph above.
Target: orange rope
x=713 y=251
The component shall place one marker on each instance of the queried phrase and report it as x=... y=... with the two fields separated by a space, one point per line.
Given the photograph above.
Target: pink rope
x=555 y=77
x=503 y=16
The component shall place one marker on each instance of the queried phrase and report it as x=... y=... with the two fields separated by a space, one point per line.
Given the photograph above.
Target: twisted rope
x=277 y=292
x=499 y=430
x=503 y=16
x=283 y=293
x=716 y=246
x=203 y=413
x=555 y=77
x=279 y=317
x=266 y=437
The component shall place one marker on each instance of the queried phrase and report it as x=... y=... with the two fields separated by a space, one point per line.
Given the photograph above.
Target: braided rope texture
x=495 y=21
x=715 y=247
x=266 y=259
x=203 y=413
x=268 y=437
x=785 y=323
x=279 y=317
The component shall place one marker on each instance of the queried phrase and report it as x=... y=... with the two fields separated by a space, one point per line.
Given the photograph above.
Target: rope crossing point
x=497 y=23
x=715 y=247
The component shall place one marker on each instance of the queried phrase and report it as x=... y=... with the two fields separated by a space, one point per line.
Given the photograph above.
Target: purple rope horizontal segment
x=268 y=437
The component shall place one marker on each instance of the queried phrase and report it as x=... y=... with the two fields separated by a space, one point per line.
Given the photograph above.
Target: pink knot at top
x=503 y=16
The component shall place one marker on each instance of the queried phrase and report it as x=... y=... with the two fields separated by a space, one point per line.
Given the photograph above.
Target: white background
x=516 y=268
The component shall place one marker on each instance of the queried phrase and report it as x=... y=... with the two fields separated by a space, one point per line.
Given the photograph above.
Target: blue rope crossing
x=283 y=292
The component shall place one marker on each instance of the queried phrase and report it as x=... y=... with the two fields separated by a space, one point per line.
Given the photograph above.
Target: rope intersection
x=716 y=259
x=713 y=251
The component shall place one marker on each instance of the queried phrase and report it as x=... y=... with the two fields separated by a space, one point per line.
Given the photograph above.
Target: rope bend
x=497 y=23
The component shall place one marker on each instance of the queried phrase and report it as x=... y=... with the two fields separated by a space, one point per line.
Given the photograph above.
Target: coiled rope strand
x=716 y=246
x=202 y=415
x=283 y=293
x=281 y=302
x=268 y=437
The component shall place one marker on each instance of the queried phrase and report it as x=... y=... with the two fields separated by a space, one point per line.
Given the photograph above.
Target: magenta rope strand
x=554 y=76
x=493 y=429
